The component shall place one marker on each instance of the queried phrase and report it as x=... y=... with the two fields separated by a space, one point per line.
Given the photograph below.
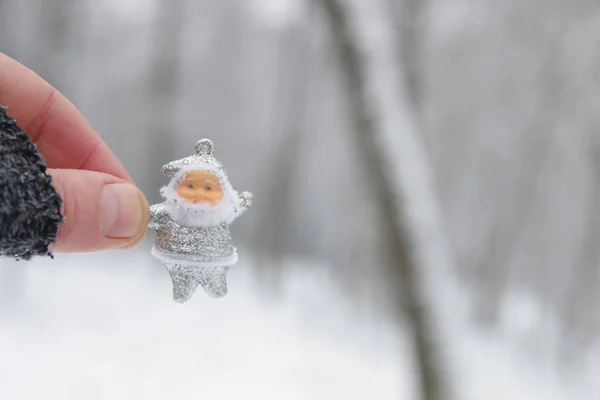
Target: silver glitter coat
x=193 y=245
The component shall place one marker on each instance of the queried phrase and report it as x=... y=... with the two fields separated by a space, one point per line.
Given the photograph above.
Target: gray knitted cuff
x=29 y=205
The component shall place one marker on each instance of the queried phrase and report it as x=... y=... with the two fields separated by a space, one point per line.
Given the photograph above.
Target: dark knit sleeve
x=29 y=205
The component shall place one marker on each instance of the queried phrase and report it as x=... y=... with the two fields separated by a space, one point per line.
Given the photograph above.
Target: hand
x=103 y=208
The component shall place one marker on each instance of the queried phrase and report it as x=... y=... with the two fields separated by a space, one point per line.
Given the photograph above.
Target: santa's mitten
x=246 y=200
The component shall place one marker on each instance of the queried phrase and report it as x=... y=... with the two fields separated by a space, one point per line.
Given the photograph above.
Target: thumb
x=101 y=211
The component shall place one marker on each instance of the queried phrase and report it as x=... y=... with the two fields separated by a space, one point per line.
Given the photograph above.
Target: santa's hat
x=203 y=159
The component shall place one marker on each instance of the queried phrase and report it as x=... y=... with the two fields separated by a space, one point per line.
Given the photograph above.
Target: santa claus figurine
x=193 y=238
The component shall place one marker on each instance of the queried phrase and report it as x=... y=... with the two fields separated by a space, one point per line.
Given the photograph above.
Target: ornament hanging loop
x=205 y=147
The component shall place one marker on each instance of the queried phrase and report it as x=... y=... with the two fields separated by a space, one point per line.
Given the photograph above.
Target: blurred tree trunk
x=409 y=20
x=4 y=26
x=406 y=273
x=57 y=31
x=294 y=77
x=163 y=85
x=580 y=321
x=538 y=136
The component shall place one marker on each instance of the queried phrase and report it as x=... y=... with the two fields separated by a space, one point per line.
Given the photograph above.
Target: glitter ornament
x=193 y=239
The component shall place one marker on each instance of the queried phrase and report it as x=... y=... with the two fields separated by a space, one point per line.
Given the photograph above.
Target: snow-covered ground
x=103 y=326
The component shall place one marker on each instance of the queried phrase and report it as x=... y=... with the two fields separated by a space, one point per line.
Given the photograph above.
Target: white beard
x=201 y=214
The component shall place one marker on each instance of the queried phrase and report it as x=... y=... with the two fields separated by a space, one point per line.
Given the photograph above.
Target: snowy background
x=490 y=113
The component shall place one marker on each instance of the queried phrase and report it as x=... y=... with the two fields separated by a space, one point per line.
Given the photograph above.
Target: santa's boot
x=185 y=281
x=214 y=280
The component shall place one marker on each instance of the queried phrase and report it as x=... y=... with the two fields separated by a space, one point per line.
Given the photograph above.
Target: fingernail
x=121 y=210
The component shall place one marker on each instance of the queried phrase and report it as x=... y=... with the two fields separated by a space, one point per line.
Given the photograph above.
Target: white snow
x=103 y=326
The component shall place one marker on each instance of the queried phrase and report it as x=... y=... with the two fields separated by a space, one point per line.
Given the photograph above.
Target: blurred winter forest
x=426 y=175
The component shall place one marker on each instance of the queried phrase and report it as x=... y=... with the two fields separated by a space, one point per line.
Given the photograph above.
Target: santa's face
x=200 y=186
x=200 y=198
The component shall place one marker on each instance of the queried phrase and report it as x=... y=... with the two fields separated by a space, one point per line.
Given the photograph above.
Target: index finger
x=63 y=136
